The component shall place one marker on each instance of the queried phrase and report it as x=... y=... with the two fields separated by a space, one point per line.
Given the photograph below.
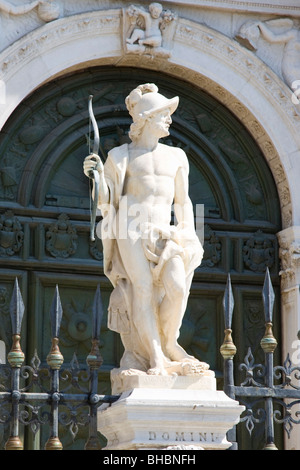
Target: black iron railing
x=54 y=403
x=265 y=388
x=32 y=395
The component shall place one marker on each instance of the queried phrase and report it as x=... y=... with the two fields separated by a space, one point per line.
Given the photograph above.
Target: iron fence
x=21 y=403
x=32 y=395
x=264 y=386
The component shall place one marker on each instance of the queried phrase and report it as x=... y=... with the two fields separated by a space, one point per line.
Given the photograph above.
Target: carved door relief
x=44 y=236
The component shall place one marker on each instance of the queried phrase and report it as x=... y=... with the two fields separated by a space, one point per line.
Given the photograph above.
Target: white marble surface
x=149 y=262
x=124 y=382
x=160 y=418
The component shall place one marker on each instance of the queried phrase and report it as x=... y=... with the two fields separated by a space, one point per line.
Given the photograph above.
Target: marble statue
x=149 y=261
x=288 y=34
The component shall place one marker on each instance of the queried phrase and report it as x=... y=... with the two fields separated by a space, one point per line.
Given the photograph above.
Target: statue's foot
x=178 y=354
x=194 y=368
x=157 y=371
x=164 y=367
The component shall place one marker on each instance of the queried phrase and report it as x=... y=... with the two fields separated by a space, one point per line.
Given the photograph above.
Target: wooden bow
x=94 y=174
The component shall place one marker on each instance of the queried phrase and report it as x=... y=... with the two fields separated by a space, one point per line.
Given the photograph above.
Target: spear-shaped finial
x=56 y=314
x=228 y=303
x=228 y=349
x=55 y=358
x=94 y=359
x=268 y=342
x=97 y=313
x=17 y=309
x=268 y=297
x=16 y=356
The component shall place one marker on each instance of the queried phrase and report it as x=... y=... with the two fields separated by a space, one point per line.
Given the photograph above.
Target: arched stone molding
x=203 y=56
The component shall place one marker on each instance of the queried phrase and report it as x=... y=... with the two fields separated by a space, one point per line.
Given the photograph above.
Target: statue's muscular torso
x=151 y=180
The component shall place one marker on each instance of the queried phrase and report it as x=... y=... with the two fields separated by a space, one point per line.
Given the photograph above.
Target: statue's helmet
x=145 y=100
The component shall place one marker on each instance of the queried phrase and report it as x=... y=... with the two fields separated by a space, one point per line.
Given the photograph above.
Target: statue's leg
x=136 y=35
x=151 y=41
x=143 y=308
x=173 y=307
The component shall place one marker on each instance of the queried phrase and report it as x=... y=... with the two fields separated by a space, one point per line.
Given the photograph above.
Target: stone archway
x=206 y=58
x=49 y=196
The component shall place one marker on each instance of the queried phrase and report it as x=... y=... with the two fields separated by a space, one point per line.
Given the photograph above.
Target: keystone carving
x=148 y=31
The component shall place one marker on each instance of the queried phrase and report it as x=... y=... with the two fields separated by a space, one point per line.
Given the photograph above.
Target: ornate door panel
x=44 y=208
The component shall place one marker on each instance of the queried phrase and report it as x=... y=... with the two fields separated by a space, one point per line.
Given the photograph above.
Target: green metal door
x=44 y=217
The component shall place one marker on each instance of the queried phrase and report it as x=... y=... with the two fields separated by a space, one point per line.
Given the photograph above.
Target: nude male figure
x=157 y=255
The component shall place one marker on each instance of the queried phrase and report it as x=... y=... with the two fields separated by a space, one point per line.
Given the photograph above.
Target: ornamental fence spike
x=56 y=314
x=97 y=313
x=268 y=297
x=228 y=303
x=17 y=309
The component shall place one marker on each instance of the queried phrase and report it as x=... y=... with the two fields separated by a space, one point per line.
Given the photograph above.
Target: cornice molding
x=275 y=7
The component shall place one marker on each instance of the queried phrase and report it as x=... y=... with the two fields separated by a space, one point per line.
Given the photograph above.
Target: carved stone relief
x=198 y=333
x=96 y=249
x=11 y=234
x=289 y=253
x=259 y=252
x=282 y=30
x=253 y=325
x=76 y=327
x=61 y=238
x=212 y=248
x=148 y=31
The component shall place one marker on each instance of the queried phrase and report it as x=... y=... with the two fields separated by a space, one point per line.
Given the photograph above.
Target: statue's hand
x=92 y=162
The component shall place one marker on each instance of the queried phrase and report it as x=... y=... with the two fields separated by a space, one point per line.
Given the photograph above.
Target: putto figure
x=148 y=30
x=149 y=261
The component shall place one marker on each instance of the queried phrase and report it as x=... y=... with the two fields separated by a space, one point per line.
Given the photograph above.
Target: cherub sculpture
x=148 y=31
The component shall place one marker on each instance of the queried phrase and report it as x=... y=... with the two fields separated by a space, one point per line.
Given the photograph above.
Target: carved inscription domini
x=183 y=436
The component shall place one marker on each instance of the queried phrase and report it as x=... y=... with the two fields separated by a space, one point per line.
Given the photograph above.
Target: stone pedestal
x=160 y=413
